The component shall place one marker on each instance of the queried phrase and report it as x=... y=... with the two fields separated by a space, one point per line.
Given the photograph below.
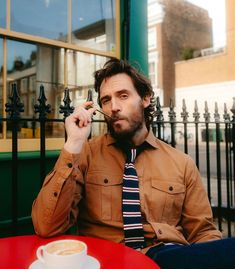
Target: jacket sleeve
x=197 y=218
x=55 y=209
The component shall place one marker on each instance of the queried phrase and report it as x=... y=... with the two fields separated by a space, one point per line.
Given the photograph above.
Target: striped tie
x=133 y=227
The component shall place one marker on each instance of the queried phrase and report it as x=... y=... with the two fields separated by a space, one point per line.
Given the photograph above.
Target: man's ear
x=146 y=101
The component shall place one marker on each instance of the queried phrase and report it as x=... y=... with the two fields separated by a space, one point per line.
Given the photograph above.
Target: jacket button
x=160 y=231
x=106 y=180
x=171 y=188
x=55 y=194
x=70 y=165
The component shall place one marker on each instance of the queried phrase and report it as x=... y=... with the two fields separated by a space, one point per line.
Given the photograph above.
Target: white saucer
x=91 y=263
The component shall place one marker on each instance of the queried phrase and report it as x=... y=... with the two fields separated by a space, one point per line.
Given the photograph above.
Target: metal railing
x=209 y=142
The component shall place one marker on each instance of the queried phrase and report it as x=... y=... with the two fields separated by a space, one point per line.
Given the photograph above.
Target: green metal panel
x=29 y=185
x=138 y=33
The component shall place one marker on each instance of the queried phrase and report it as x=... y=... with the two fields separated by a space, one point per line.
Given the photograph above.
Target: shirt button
x=171 y=188
x=70 y=165
x=106 y=180
x=160 y=231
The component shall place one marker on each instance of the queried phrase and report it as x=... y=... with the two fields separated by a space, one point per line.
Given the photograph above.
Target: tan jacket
x=86 y=189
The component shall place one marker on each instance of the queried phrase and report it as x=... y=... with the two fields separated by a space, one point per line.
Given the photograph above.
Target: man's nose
x=115 y=106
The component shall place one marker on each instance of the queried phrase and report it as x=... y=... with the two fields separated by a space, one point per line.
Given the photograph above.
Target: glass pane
x=3 y=13
x=81 y=67
x=1 y=85
x=93 y=24
x=30 y=66
x=42 y=18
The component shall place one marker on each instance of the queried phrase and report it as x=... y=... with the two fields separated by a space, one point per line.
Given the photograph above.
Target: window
x=41 y=18
x=152 y=38
x=93 y=24
x=30 y=66
x=3 y=13
x=57 y=44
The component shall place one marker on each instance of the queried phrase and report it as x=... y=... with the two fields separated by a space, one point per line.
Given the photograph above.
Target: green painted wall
x=28 y=187
x=138 y=34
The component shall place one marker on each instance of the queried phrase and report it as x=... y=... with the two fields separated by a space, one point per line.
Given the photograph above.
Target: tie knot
x=131 y=155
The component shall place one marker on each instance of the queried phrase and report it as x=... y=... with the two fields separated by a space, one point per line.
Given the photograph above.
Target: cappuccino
x=66 y=247
x=63 y=254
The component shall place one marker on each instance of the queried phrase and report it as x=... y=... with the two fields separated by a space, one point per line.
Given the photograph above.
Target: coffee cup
x=63 y=254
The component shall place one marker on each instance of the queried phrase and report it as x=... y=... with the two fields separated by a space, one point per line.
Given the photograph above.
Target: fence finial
x=233 y=109
x=158 y=113
x=216 y=114
x=171 y=113
x=206 y=115
x=66 y=109
x=196 y=114
x=15 y=106
x=184 y=113
x=226 y=114
x=42 y=108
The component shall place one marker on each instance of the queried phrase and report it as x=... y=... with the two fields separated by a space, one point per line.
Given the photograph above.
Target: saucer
x=91 y=263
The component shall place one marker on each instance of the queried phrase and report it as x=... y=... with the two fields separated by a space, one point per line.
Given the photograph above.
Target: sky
x=216 y=9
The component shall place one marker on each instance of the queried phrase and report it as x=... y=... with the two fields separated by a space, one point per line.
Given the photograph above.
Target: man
x=87 y=185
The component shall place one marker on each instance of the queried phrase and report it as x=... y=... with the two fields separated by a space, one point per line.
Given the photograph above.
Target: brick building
x=180 y=29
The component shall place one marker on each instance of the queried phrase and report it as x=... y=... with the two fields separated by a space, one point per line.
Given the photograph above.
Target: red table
x=20 y=251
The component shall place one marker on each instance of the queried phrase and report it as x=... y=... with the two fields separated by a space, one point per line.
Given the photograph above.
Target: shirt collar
x=150 y=139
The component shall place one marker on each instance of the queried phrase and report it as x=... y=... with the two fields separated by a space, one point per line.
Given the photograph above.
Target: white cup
x=63 y=254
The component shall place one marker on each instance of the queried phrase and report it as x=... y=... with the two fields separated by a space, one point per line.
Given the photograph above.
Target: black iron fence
x=209 y=141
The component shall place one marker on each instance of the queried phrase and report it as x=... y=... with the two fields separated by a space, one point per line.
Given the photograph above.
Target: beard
x=135 y=120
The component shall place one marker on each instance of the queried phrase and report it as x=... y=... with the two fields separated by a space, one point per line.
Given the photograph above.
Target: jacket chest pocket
x=104 y=196
x=167 y=201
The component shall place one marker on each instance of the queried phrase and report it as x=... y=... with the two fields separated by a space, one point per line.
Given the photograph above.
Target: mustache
x=116 y=117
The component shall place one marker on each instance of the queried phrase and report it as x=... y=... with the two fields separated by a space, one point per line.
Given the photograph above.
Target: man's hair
x=142 y=84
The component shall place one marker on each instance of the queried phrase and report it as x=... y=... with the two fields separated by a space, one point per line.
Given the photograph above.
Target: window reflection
x=47 y=18
x=30 y=66
x=3 y=13
x=93 y=24
x=81 y=67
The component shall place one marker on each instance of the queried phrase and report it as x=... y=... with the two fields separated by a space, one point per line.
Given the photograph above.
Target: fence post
x=233 y=141
x=14 y=108
x=172 y=117
x=196 y=116
x=184 y=116
x=66 y=109
x=218 y=164
x=228 y=175
x=43 y=109
x=208 y=166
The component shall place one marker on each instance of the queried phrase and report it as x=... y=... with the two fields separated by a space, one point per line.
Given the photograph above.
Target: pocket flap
x=103 y=179
x=169 y=187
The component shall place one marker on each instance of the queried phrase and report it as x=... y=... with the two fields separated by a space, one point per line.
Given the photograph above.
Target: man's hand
x=78 y=127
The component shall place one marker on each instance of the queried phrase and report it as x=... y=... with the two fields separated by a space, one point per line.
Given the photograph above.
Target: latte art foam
x=65 y=248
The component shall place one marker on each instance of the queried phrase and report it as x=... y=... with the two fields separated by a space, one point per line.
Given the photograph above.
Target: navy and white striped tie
x=133 y=227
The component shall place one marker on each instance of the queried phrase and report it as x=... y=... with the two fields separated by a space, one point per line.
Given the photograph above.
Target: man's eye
x=105 y=101
x=123 y=96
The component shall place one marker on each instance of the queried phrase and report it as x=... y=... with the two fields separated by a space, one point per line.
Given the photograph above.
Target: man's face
x=120 y=100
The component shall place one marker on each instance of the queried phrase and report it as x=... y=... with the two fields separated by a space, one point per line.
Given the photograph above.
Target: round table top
x=20 y=252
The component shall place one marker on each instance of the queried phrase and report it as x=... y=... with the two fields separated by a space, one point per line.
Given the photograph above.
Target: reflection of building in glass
x=177 y=30
x=62 y=49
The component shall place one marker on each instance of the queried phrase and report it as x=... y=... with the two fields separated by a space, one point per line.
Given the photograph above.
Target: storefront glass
x=30 y=66
x=41 y=18
x=3 y=13
x=93 y=24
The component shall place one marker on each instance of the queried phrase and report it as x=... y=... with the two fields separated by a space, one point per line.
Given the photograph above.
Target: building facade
x=177 y=29
x=211 y=77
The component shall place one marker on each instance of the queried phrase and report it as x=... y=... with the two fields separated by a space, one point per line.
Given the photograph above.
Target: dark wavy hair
x=142 y=84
